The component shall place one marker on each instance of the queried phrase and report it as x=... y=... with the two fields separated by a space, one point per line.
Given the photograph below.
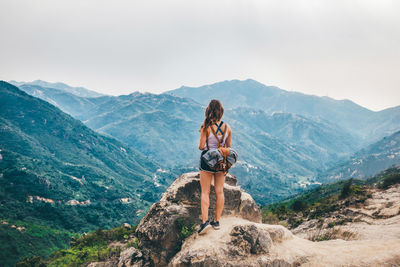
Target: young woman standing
x=212 y=122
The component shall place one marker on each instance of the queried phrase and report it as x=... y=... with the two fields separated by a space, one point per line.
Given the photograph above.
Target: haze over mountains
x=285 y=140
x=79 y=91
x=368 y=161
x=369 y=125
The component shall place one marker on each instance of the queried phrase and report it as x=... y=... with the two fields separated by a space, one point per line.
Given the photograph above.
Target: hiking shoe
x=204 y=227
x=215 y=224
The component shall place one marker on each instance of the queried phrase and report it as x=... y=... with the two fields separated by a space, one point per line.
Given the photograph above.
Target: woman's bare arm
x=229 y=138
x=203 y=137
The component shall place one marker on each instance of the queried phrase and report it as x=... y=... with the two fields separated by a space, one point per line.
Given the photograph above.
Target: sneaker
x=204 y=227
x=215 y=224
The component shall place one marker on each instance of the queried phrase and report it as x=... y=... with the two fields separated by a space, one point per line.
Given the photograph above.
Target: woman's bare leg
x=205 y=183
x=219 y=181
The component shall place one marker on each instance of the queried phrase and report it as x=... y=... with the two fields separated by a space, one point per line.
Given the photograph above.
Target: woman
x=212 y=121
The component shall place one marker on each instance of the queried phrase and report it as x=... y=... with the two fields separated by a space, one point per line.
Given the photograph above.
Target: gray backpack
x=221 y=158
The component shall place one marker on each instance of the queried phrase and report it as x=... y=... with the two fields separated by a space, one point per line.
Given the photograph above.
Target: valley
x=73 y=160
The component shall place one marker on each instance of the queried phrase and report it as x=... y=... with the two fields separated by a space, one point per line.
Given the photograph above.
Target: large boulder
x=239 y=242
x=159 y=230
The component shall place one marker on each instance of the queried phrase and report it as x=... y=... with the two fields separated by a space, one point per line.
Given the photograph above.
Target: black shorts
x=203 y=166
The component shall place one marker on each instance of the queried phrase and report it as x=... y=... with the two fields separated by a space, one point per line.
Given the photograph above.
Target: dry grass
x=331 y=233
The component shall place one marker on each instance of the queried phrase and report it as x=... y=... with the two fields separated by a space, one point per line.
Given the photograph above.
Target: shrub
x=346 y=189
x=185 y=229
x=357 y=189
x=134 y=243
x=332 y=233
x=298 y=205
x=390 y=179
x=31 y=262
x=270 y=218
x=294 y=222
x=281 y=211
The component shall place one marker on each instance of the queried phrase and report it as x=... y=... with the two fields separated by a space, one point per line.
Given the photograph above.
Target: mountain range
x=53 y=166
x=79 y=91
x=367 y=162
x=80 y=160
x=370 y=126
x=279 y=138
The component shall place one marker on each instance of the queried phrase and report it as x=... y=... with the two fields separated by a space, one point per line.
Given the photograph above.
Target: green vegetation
x=317 y=202
x=58 y=174
x=88 y=248
x=390 y=179
x=28 y=239
x=186 y=229
x=346 y=189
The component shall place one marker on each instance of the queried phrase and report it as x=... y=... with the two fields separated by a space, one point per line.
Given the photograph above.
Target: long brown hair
x=213 y=113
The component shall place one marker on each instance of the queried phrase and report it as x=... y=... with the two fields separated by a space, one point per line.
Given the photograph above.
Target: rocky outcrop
x=360 y=221
x=243 y=240
x=239 y=242
x=159 y=230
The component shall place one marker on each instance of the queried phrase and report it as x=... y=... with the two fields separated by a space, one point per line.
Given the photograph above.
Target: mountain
x=370 y=126
x=119 y=117
x=67 y=102
x=368 y=161
x=58 y=176
x=79 y=91
x=324 y=140
x=47 y=154
x=285 y=149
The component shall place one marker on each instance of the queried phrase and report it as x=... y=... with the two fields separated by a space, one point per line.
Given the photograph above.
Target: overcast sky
x=339 y=48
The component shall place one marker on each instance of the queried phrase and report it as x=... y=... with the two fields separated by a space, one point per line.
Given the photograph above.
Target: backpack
x=222 y=158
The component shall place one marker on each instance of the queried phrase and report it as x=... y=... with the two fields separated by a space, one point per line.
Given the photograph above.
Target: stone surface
x=130 y=257
x=238 y=242
x=103 y=264
x=243 y=240
x=158 y=230
x=377 y=218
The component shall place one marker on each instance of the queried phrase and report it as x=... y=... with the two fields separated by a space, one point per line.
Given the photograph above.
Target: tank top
x=212 y=140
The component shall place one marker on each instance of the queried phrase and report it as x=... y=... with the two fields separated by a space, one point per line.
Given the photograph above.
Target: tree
x=346 y=189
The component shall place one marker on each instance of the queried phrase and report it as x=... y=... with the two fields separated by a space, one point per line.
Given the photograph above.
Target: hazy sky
x=340 y=48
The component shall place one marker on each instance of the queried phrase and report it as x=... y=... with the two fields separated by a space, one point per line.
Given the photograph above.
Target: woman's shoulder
x=227 y=127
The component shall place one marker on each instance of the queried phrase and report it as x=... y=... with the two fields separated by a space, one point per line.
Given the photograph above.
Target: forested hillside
x=57 y=176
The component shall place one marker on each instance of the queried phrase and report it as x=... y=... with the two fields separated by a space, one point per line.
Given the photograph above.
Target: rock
x=103 y=264
x=239 y=242
x=250 y=239
x=130 y=257
x=127 y=225
x=243 y=240
x=158 y=230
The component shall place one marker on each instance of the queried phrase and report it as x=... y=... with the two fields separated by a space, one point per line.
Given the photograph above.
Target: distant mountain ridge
x=285 y=148
x=66 y=101
x=79 y=91
x=367 y=162
x=250 y=93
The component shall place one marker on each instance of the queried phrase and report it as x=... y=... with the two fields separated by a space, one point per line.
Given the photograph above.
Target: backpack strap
x=218 y=127
x=216 y=136
x=207 y=139
x=223 y=135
